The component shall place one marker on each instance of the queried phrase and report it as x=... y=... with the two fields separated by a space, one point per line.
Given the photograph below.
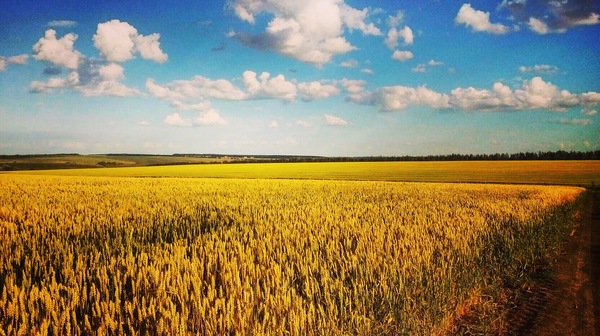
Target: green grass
x=579 y=173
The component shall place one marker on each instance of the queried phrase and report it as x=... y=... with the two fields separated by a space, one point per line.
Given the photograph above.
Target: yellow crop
x=176 y=256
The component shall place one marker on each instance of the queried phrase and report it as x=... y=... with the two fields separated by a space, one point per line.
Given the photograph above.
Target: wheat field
x=194 y=256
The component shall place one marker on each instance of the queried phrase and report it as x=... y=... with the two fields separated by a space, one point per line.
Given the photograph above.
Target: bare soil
x=567 y=302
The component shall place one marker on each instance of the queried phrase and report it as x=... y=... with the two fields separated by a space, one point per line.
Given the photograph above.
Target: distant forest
x=558 y=155
x=143 y=159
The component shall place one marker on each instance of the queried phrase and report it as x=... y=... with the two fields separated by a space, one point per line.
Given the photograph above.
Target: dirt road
x=568 y=303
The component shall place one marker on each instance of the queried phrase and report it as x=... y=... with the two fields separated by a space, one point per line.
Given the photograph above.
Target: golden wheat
x=259 y=257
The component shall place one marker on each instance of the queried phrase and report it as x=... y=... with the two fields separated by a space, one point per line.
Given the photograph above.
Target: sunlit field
x=216 y=256
x=578 y=173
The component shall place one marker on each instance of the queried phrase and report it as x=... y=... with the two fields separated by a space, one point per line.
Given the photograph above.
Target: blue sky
x=314 y=77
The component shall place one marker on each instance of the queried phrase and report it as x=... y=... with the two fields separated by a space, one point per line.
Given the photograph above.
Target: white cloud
x=539 y=94
x=265 y=86
x=397 y=98
x=589 y=111
x=533 y=94
x=55 y=83
x=19 y=59
x=273 y=124
x=478 y=20
x=367 y=71
x=349 y=63
x=334 y=121
x=168 y=92
x=402 y=55
x=353 y=85
x=470 y=98
x=303 y=123
x=196 y=93
x=434 y=63
x=355 y=90
x=317 y=90
x=407 y=35
x=108 y=88
x=196 y=89
x=144 y=123
x=575 y=121
x=175 y=119
x=396 y=20
x=355 y=19
x=59 y=52
x=149 y=48
x=310 y=31
x=394 y=34
x=592 y=19
x=62 y=23
x=419 y=68
x=111 y=72
x=119 y=42
x=538 y=26
x=539 y=68
x=204 y=118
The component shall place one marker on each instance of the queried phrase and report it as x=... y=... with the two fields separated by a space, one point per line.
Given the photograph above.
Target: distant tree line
x=557 y=155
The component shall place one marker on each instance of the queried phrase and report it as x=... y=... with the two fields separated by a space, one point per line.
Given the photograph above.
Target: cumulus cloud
x=355 y=90
x=539 y=68
x=310 y=31
x=196 y=94
x=255 y=86
x=394 y=35
x=479 y=21
x=264 y=86
x=332 y=120
x=433 y=62
x=544 y=17
x=18 y=59
x=317 y=90
x=53 y=83
x=203 y=118
x=273 y=124
x=111 y=72
x=355 y=19
x=59 y=52
x=119 y=42
x=397 y=98
x=533 y=94
x=402 y=55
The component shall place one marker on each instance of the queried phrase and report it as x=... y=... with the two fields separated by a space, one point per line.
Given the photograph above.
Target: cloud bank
x=116 y=41
x=533 y=94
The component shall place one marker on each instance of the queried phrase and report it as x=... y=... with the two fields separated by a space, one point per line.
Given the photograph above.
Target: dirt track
x=568 y=303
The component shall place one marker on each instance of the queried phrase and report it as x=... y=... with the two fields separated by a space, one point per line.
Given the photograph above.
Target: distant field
x=67 y=161
x=578 y=173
